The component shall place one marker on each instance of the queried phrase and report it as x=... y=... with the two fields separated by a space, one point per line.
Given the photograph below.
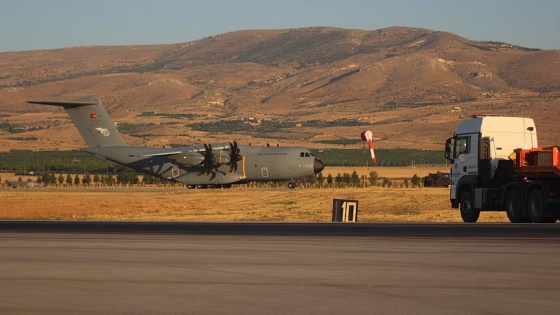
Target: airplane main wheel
x=191 y=186
x=468 y=213
x=292 y=185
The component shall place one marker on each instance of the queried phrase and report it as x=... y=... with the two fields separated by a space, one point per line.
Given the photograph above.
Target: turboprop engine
x=210 y=158
x=188 y=158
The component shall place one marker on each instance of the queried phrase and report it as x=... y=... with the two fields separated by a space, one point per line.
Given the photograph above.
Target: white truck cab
x=479 y=150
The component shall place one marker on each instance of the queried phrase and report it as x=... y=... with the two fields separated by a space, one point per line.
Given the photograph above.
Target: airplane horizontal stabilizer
x=64 y=104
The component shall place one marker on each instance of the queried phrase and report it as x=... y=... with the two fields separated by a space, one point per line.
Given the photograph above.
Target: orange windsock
x=368 y=136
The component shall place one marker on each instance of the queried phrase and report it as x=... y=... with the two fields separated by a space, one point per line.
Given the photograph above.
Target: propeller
x=209 y=161
x=234 y=156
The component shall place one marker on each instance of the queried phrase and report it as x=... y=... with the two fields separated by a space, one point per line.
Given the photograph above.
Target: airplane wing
x=182 y=150
x=193 y=156
x=159 y=153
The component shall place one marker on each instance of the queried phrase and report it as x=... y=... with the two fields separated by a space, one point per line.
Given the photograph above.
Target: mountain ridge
x=411 y=84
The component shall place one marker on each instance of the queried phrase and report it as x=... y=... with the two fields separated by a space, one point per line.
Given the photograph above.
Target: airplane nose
x=318 y=166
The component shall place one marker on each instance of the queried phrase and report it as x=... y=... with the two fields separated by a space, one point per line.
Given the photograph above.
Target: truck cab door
x=464 y=166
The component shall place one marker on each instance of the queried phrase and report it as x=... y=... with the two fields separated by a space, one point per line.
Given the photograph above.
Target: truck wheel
x=468 y=213
x=536 y=205
x=514 y=206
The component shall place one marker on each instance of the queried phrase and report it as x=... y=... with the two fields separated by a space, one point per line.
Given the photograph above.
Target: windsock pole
x=368 y=136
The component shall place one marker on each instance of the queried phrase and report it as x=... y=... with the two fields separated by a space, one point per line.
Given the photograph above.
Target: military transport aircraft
x=197 y=166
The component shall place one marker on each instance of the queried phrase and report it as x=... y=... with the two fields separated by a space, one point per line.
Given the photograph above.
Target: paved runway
x=198 y=268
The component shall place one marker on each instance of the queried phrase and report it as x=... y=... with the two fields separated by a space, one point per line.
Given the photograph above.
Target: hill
x=316 y=86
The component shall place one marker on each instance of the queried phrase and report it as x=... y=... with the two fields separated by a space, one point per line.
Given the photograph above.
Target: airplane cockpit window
x=301 y=154
x=307 y=154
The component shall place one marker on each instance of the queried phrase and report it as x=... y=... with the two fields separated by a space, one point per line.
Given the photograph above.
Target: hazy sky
x=45 y=24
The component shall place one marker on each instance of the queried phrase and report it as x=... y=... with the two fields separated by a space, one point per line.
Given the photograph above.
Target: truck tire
x=536 y=204
x=468 y=213
x=515 y=207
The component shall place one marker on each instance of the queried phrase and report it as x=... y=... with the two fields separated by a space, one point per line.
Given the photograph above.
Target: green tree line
x=123 y=177
x=348 y=180
x=385 y=157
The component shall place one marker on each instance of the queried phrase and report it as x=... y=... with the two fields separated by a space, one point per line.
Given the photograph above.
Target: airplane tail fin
x=92 y=121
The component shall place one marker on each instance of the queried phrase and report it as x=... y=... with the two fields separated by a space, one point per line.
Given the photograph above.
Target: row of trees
x=130 y=178
x=50 y=179
x=122 y=178
x=354 y=180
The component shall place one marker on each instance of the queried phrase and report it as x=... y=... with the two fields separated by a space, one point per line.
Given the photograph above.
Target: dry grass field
x=240 y=203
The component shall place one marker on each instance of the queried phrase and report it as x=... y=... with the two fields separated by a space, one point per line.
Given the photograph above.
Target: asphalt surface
x=267 y=268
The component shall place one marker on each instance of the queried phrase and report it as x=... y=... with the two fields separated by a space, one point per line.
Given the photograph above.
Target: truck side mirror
x=448 y=146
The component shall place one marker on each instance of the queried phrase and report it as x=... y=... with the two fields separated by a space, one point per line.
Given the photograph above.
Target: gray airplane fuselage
x=257 y=164
x=213 y=165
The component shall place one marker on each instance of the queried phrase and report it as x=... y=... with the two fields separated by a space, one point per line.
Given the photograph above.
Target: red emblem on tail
x=93 y=115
